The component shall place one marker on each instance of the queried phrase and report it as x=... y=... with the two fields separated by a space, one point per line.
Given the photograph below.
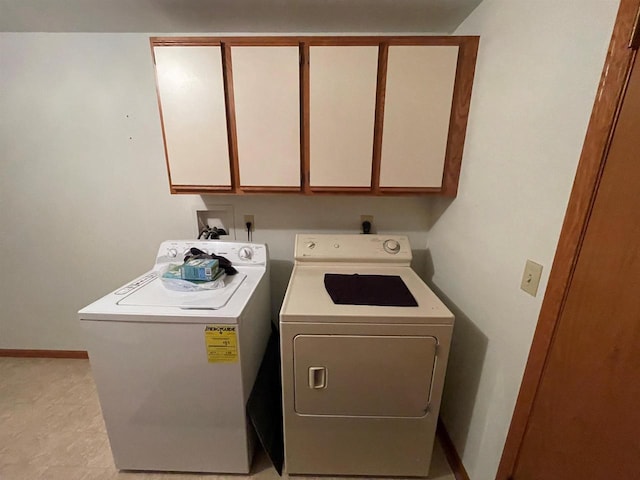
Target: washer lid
x=155 y=294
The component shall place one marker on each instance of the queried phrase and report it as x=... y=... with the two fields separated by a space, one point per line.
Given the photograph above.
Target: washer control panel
x=238 y=253
x=136 y=283
x=353 y=248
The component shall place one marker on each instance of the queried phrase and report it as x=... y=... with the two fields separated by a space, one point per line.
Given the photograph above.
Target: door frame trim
x=613 y=81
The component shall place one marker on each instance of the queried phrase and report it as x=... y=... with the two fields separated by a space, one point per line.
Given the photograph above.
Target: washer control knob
x=172 y=252
x=311 y=245
x=391 y=246
x=245 y=253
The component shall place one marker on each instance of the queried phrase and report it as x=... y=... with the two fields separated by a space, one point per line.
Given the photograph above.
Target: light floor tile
x=21 y=472
x=51 y=428
x=78 y=473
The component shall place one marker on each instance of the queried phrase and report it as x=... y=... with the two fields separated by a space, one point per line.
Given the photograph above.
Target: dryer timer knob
x=172 y=252
x=245 y=253
x=391 y=246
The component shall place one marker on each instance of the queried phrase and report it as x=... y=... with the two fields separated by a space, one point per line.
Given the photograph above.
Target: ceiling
x=239 y=16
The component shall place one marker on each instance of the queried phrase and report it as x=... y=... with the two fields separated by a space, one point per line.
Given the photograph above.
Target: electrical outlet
x=531 y=277
x=249 y=219
x=366 y=218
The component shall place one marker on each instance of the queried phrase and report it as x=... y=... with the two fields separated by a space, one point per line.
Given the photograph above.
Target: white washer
x=172 y=399
x=361 y=383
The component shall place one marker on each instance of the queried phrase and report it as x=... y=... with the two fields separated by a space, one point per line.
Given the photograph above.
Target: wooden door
x=585 y=420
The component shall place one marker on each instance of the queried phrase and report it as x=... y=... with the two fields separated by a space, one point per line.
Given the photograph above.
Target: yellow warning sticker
x=222 y=343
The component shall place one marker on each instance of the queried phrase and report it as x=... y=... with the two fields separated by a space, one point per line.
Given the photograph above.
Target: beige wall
x=538 y=68
x=84 y=197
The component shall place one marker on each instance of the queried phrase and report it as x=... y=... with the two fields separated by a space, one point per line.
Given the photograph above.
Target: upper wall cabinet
x=314 y=115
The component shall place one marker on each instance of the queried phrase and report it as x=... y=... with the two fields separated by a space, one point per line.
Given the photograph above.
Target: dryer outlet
x=249 y=219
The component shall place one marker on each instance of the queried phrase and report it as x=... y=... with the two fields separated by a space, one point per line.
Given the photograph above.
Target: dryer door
x=353 y=375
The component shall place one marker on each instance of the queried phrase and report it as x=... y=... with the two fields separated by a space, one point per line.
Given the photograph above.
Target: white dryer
x=174 y=369
x=364 y=353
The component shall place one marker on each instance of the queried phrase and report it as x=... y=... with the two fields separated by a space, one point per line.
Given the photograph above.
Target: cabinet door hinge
x=634 y=41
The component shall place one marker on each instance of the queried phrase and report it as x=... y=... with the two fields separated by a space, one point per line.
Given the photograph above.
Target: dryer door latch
x=317 y=377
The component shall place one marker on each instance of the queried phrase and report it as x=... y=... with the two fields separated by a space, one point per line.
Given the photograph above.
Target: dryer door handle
x=317 y=377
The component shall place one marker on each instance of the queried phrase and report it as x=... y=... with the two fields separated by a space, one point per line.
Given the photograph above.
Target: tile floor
x=51 y=428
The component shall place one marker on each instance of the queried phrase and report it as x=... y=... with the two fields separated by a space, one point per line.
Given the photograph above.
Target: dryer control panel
x=353 y=248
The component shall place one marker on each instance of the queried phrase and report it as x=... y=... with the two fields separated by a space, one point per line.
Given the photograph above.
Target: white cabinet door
x=342 y=113
x=191 y=93
x=266 y=88
x=417 y=109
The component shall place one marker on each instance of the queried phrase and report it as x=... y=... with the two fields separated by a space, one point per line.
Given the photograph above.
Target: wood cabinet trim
x=269 y=189
x=226 y=189
x=185 y=41
x=305 y=127
x=232 y=133
x=378 y=125
x=341 y=189
x=343 y=41
x=261 y=41
x=395 y=190
x=326 y=40
x=164 y=136
x=386 y=191
x=433 y=41
x=277 y=190
x=460 y=105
